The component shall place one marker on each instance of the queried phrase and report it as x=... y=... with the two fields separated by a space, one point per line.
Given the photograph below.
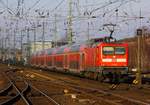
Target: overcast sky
x=126 y=18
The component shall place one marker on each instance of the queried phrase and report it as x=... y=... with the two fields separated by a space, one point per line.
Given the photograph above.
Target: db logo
x=114 y=60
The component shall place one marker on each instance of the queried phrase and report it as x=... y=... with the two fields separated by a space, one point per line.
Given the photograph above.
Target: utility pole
x=21 y=42
x=14 y=47
x=88 y=32
x=1 y=45
x=2 y=48
x=14 y=42
x=139 y=53
x=20 y=8
x=5 y=48
x=9 y=48
x=34 y=38
x=88 y=24
x=138 y=74
x=55 y=40
x=43 y=36
x=70 y=22
x=28 y=46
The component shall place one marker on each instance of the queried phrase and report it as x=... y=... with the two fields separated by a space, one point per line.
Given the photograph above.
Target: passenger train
x=99 y=59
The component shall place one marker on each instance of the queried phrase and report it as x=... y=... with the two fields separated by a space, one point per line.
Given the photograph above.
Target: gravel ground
x=45 y=81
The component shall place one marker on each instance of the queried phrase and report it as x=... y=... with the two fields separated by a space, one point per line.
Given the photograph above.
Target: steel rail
x=59 y=81
x=19 y=95
x=23 y=92
x=79 y=89
x=11 y=100
x=6 y=90
x=48 y=97
x=100 y=91
x=115 y=95
x=112 y=94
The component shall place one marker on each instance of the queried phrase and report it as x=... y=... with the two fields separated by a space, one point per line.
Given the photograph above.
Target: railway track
x=78 y=92
x=19 y=94
x=106 y=96
x=20 y=90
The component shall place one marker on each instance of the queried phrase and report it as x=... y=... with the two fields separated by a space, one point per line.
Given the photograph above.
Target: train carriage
x=92 y=60
x=49 y=58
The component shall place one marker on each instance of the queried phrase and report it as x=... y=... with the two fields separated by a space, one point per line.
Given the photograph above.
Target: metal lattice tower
x=69 y=34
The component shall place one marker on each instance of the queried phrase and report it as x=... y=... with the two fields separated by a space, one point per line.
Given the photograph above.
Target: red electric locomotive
x=98 y=59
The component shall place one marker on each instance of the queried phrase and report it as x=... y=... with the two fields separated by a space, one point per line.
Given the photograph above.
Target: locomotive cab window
x=108 y=50
x=119 y=50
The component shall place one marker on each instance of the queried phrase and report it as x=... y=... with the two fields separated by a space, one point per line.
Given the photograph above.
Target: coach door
x=53 y=60
x=65 y=62
x=82 y=61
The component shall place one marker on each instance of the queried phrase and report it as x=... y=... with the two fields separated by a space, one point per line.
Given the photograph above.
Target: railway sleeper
x=35 y=95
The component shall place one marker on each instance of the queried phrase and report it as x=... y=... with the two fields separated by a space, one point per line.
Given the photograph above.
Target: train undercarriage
x=111 y=75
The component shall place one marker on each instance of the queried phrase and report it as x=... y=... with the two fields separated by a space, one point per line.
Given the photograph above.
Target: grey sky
x=127 y=20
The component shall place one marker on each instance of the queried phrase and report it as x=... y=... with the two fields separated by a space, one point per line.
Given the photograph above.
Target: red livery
x=94 y=60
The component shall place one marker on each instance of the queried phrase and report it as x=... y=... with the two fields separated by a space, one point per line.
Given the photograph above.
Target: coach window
x=108 y=50
x=119 y=50
x=49 y=52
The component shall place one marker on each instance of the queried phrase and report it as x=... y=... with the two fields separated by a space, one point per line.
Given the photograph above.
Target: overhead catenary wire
x=79 y=17
x=59 y=4
x=8 y=9
x=29 y=9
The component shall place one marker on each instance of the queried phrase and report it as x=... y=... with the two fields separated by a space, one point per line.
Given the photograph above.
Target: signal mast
x=69 y=33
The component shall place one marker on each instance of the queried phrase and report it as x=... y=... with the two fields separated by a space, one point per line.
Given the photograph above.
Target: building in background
x=29 y=49
x=38 y=46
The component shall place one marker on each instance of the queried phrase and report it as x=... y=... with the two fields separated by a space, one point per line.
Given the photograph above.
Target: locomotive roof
x=66 y=48
x=74 y=47
x=49 y=51
x=60 y=50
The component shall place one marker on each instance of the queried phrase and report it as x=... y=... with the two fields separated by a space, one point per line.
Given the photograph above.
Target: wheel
x=100 y=77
